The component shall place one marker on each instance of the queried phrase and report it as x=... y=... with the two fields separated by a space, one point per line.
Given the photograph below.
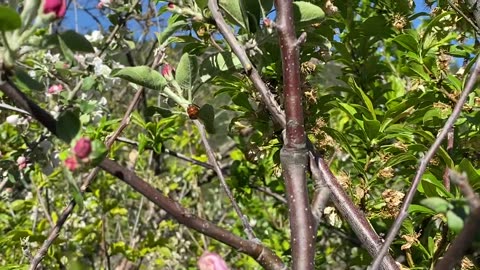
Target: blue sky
x=83 y=22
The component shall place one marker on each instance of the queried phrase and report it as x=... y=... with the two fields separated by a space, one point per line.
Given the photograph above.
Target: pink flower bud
x=104 y=3
x=82 y=148
x=211 y=261
x=59 y=7
x=167 y=72
x=171 y=5
x=267 y=22
x=21 y=162
x=71 y=163
x=55 y=89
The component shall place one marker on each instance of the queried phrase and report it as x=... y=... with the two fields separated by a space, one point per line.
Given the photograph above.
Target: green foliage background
x=379 y=82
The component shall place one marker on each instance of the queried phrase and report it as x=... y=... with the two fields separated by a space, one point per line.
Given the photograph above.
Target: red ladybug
x=192 y=111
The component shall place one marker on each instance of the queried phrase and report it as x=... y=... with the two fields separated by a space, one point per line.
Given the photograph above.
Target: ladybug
x=192 y=111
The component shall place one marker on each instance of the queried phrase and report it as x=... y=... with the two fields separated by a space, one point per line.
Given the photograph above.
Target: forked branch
x=263 y=255
x=348 y=210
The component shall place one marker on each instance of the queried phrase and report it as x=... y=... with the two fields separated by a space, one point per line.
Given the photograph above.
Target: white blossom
x=13 y=119
x=102 y=101
x=32 y=74
x=99 y=68
x=95 y=36
x=51 y=58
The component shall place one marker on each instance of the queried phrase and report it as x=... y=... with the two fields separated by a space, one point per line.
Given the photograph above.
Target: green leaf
x=67 y=52
x=186 y=71
x=119 y=211
x=472 y=173
x=143 y=142
x=202 y=4
x=99 y=152
x=68 y=126
x=432 y=187
x=307 y=12
x=9 y=19
x=437 y=204
x=26 y=83
x=400 y=158
x=76 y=42
x=88 y=83
x=142 y=75
x=241 y=99
x=256 y=11
x=217 y=63
x=235 y=11
x=207 y=115
x=407 y=42
x=372 y=128
x=339 y=137
x=455 y=223
x=415 y=208
x=169 y=31
x=434 y=22
x=118 y=247
x=361 y=94
x=376 y=26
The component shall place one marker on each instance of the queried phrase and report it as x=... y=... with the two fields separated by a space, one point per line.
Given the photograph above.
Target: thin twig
x=117 y=27
x=475 y=27
x=43 y=204
x=12 y=108
x=218 y=170
x=450 y=138
x=104 y=244
x=172 y=153
x=263 y=255
x=277 y=114
x=91 y=176
x=270 y=193
x=423 y=165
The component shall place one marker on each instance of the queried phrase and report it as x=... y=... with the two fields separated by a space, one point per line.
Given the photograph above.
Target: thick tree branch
x=264 y=256
x=348 y=211
x=359 y=224
x=277 y=114
x=293 y=155
x=423 y=164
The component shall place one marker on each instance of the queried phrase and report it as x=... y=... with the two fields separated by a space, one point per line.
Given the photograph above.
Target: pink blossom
x=171 y=5
x=103 y=3
x=167 y=72
x=55 y=89
x=21 y=162
x=267 y=22
x=71 y=163
x=82 y=148
x=59 y=7
x=211 y=261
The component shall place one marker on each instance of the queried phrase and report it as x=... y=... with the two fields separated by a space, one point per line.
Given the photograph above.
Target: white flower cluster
x=16 y=120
